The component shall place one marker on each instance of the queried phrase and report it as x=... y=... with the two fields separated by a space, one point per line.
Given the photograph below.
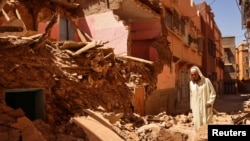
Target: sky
x=228 y=18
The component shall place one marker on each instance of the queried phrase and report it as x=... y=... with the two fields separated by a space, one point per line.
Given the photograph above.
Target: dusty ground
x=179 y=127
x=159 y=127
x=100 y=84
x=229 y=107
x=231 y=103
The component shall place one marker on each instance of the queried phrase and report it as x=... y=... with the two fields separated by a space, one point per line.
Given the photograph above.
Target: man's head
x=194 y=73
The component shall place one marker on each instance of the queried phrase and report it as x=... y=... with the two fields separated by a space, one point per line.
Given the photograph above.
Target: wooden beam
x=95 y=130
x=66 y=4
x=136 y=59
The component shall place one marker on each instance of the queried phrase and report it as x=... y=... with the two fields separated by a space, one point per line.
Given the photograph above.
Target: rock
x=17 y=113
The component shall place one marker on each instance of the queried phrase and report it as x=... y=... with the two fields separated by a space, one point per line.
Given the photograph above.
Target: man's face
x=194 y=75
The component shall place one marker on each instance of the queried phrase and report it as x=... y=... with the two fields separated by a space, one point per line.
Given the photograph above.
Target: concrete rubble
x=84 y=83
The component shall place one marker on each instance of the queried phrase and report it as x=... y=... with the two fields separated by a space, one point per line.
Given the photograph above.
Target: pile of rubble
x=81 y=81
x=16 y=126
x=73 y=75
x=72 y=78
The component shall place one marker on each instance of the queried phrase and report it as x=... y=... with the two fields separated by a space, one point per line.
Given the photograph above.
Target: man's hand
x=208 y=105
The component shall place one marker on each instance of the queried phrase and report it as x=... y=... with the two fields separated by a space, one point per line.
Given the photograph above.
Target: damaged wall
x=97 y=30
x=104 y=26
x=92 y=79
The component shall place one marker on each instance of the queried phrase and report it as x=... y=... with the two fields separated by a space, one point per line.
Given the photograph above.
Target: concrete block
x=95 y=130
x=29 y=131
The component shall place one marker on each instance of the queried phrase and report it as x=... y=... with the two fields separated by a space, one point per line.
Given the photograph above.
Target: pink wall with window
x=105 y=27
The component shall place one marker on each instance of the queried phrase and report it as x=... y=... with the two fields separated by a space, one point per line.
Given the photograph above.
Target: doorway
x=31 y=101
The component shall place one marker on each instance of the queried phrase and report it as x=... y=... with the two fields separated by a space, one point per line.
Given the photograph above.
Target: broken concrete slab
x=95 y=130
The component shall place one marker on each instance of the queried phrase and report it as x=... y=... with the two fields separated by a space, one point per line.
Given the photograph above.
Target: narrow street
x=96 y=70
x=231 y=103
x=228 y=107
x=226 y=103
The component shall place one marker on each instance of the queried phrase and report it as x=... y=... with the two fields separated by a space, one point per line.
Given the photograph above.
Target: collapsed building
x=56 y=59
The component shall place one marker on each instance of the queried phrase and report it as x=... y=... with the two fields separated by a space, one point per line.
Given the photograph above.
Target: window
x=176 y=21
x=246 y=60
x=200 y=45
x=246 y=72
x=173 y=20
x=186 y=35
x=211 y=48
x=169 y=17
x=183 y=27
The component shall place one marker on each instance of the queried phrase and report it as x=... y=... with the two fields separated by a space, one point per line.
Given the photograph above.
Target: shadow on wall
x=160 y=101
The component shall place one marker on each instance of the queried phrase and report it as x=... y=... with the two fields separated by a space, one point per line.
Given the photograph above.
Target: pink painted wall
x=153 y=55
x=55 y=31
x=102 y=26
x=105 y=27
x=140 y=49
x=150 y=24
x=143 y=33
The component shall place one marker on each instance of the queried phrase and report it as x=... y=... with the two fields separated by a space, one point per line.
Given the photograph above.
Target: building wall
x=230 y=70
x=161 y=100
x=142 y=34
x=55 y=31
x=209 y=41
x=105 y=27
x=102 y=26
x=140 y=49
x=184 y=43
x=182 y=48
x=242 y=62
x=153 y=55
x=164 y=98
x=173 y=81
x=219 y=64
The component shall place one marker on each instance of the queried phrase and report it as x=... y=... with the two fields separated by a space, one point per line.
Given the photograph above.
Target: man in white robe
x=202 y=97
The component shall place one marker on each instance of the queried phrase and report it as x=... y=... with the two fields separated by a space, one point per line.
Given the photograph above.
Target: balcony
x=245 y=13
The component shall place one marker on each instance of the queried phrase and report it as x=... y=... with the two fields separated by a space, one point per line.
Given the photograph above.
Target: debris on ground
x=81 y=81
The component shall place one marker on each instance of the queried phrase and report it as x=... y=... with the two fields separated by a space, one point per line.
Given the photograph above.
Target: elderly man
x=202 y=97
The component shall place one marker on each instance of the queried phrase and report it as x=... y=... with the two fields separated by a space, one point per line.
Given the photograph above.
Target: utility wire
x=237 y=3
